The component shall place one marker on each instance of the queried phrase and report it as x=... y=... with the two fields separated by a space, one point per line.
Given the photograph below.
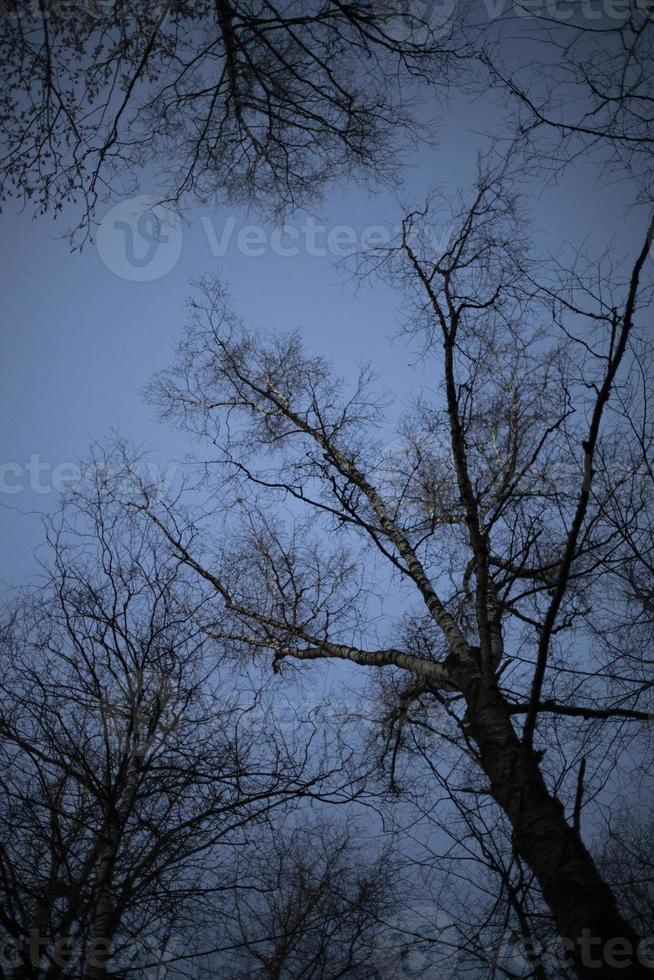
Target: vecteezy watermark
x=418 y=943
x=416 y=22
x=36 y=950
x=140 y=239
x=347 y=713
x=423 y=943
x=94 y=10
x=308 y=237
x=38 y=476
x=514 y=955
x=572 y=12
x=593 y=952
x=147 y=955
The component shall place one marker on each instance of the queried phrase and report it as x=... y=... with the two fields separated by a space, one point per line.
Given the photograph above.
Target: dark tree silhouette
x=246 y=100
x=133 y=762
x=505 y=521
x=584 y=87
x=319 y=900
x=499 y=509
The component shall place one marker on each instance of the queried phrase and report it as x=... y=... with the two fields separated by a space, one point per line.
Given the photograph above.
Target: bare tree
x=317 y=900
x=133 y=762
x=245 y=100
x=582 y=85
x=498 y=511
x=481 y=913
x=494 y=565
x=626 y=847
x=266 y=104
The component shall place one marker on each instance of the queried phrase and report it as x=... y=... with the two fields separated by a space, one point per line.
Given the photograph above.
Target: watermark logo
x=140 y=240
x=419 y=943
x=571 y=13
x=102 y=11
x=38 y=476
x=417 y=23
x=147 y=955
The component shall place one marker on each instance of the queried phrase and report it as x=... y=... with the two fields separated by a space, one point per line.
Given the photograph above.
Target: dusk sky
x=371 y=695
x=80 y=338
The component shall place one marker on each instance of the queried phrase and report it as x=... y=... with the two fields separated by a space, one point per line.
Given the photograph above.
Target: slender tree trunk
x=104 y=922
x=100 y=940
x=597 y=938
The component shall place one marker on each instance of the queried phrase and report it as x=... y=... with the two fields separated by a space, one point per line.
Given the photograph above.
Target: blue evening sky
x=79 y=341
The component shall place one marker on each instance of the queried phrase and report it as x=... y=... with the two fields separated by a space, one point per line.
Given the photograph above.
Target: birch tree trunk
x=596 y=937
